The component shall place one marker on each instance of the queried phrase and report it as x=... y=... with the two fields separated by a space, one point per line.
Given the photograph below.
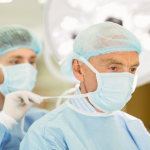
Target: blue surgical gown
x=11 y=140
x=66 y=128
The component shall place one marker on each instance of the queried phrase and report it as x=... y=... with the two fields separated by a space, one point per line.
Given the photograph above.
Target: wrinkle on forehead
x=122 y=58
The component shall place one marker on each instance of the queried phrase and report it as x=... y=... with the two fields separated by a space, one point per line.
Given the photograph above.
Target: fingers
x=17 y=103
x=33 y=97
x=26 y=96
x=26 y=107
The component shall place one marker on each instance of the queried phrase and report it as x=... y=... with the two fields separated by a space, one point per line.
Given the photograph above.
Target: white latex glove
x=7 y=121
x=17 y=103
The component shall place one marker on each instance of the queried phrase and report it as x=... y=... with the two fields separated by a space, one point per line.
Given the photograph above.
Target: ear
x=76 y=67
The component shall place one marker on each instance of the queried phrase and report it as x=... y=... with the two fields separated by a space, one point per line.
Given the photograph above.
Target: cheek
x=90 y=81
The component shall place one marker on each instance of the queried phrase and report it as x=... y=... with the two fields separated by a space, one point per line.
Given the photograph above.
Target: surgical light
x=141 y=20
x=145 y=39
x=5 y=1
x=65 y=47
x=42 y=1
x=64 y=19
x=84 y=5
x=69 y=23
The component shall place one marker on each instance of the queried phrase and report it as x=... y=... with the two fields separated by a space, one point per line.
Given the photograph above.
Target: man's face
x=20 y=56
x=108 y=63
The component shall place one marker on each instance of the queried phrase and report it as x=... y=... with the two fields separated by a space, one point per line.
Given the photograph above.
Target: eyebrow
x=111 y=61
x=33 y=56
x=20 y=57
x=135 y=65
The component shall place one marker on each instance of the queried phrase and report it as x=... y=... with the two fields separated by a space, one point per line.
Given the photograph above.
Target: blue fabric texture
x=16 y=135
x=100 y=39
x=4 y=136
x=66 y=129
x=13 y=37
x=82 y=103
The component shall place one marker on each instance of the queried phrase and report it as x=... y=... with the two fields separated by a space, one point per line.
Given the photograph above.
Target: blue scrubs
x=4 y=136
x=11 y=140
x=68 y=128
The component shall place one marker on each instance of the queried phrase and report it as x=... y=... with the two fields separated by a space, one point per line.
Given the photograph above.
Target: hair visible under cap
x=13 y=37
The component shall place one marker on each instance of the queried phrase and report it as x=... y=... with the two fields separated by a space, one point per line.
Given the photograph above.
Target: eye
x=32 y=62
x=133 y=69
x=15 y=62
x=113 y=68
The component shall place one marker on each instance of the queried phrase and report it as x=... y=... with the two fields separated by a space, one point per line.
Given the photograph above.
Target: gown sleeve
x=4 y=136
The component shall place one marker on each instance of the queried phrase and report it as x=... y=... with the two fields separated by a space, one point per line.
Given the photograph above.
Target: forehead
x=21 y=52
x=123 y=57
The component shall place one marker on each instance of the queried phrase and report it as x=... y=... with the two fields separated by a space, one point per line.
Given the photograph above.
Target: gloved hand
x=17 y=103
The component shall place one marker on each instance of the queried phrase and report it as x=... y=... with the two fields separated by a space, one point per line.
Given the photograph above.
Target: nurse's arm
x=6 y=125
x=4 y=136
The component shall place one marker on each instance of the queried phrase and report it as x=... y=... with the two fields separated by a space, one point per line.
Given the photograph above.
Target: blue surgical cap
x=100 y=39
x=13 y=37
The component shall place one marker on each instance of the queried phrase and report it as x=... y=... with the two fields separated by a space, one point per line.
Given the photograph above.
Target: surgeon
x=105 y=59
x=19 y=48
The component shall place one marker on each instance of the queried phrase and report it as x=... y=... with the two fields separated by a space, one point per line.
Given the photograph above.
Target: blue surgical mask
x=114 y=89
x=17 y=78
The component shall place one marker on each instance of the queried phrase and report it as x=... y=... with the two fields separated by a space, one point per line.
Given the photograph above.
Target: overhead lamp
x=64 y=19
x=145 y=40
x=73 y=17
x=69 y=23
x=84 y=5
x=142 y=20
x=42 y=1
x=5 y=1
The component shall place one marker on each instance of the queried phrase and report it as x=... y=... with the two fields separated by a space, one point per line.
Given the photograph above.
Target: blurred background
x=57 y=23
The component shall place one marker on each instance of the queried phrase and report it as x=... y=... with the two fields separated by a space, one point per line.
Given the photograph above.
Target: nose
x=126 y=69
x=26 y=60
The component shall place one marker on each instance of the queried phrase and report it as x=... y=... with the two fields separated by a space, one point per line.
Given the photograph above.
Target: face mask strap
x=84 y=60
x=88 y=64
x=66 y=96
